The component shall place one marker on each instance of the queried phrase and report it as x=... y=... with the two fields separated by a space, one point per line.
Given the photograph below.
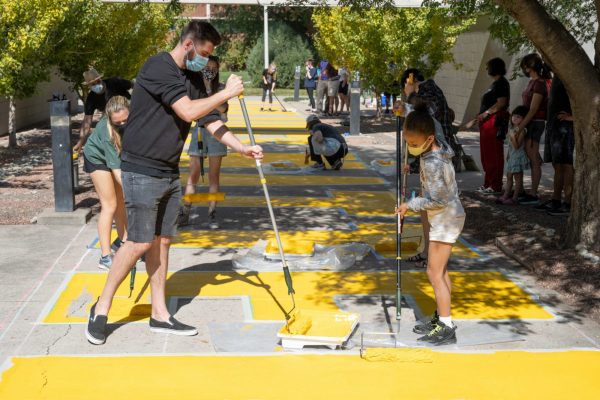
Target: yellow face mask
x=418 y=150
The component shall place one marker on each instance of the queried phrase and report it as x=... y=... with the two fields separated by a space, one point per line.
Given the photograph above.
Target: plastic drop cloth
x=325 y=257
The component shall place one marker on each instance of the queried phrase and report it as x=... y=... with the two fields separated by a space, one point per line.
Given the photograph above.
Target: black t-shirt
x=112 y=87
x=155 y=135
x=499 y=88
x=270 y=77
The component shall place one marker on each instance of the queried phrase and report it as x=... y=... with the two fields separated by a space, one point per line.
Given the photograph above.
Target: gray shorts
x=152 y=206
x=211 y=147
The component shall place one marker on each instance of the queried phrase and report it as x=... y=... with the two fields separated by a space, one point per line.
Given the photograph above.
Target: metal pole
x=266 y=35
x=355 y=105
x=62 y=158
x=297 y=84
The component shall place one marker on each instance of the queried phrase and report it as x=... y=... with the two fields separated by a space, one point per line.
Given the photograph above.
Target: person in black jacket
x=169 y=94
x=325 y=140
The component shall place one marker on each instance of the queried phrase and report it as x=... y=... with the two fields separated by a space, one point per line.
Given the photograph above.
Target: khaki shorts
x=333 y=88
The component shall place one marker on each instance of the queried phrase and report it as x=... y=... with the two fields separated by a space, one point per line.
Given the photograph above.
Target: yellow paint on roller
x=298 y=324
x=203 y=197
x=322 y=324
x=475 y=295
x=506 y=375
x=293 y=180
x=291 y=247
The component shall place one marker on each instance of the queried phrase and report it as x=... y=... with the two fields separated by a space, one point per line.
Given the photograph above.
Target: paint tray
x=292 y=248
x=317 y=328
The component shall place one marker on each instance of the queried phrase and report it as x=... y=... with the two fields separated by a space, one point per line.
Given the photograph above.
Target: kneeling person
x=324 y=140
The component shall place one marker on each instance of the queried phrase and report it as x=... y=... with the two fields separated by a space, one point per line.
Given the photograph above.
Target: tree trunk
x=12 y=125
x=582 y=81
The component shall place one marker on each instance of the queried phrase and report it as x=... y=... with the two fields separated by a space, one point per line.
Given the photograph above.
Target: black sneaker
x=184 y=215
x=173 y=327
x=95 y=332
x=441 y=334
x=529 y=200
x=564 y=209
x=426 y=325
x=338 y=164
x=212 y=220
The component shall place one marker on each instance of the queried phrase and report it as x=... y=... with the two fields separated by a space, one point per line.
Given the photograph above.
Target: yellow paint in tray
x=317 y=323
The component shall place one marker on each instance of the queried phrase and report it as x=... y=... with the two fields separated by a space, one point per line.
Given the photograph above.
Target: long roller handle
x=263 y=181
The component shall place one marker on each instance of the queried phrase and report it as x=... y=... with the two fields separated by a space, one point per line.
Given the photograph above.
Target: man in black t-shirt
x=101 y=90
x=169 y=94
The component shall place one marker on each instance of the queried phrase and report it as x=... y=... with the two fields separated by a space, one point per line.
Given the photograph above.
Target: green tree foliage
x=26 y=27
x=286 y=50
x=575 y=16
x=370 y=40
x=116 y=39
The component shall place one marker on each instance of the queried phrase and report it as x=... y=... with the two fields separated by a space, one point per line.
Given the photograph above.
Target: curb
x=504 y=248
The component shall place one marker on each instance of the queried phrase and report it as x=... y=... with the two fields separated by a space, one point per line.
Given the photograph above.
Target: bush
x=286 y=49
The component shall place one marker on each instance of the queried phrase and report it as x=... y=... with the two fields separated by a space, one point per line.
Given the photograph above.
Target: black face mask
x=120 y=129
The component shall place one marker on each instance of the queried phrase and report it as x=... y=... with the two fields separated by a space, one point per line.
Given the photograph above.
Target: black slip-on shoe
x=96 y=329
x=173 y=327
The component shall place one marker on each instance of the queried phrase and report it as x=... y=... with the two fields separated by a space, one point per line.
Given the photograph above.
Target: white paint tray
x=327 y=328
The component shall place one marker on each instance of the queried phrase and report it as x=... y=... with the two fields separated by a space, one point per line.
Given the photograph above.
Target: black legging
x=265 y=90
x=311 y=97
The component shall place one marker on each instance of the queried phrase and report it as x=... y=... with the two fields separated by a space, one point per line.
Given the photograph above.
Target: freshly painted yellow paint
x=476 y=295
x=320 y=324
x=507 y=375
x=290 y=246
x=292 y=180
x=235 y=160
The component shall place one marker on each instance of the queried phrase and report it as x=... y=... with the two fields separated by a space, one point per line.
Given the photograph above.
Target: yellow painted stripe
x=471 y=293
x=416 y=374
x=293 y=180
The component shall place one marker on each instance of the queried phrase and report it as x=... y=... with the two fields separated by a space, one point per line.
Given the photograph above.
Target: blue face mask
x=197 y=64
x=97 y=88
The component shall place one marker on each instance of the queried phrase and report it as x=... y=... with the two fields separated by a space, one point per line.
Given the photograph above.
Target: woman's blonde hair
x=114 y=105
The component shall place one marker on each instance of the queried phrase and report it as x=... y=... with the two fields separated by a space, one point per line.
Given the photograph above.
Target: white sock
x=446 y=321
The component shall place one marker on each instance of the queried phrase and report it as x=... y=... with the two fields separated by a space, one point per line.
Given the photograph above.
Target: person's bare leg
x=425 y=225
x=439 y=254
x=518 y=177
x=120 y=213
x=559 y=181
x=509 y=184
x=157 y=264
x=214 y=174
x=103 y=183
x=124 y=260
x=194 y=175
